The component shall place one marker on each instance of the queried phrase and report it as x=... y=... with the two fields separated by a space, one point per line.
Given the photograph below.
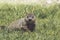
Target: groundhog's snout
x=30 y=19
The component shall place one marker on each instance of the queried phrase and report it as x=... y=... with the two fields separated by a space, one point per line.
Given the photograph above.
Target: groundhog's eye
x=32 y=16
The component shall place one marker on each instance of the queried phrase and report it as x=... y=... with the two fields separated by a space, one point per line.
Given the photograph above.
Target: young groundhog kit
x=26 y=24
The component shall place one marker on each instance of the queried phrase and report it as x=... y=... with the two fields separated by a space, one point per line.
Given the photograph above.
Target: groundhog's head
x=30 y=18
x=30 y=21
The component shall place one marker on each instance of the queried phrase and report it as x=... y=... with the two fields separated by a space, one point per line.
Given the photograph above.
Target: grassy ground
x=47 y=25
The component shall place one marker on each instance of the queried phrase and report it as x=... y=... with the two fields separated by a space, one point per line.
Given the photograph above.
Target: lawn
x=47 y=21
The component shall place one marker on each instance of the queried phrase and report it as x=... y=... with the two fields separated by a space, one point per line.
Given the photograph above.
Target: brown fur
x=26 y=23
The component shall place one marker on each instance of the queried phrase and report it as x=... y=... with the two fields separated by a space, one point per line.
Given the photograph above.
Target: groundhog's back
x=17 y=24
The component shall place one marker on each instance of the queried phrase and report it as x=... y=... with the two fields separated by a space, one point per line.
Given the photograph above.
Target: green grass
x=47 y=25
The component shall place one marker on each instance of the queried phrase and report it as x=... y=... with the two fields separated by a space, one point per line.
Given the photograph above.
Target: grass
x=47 y=25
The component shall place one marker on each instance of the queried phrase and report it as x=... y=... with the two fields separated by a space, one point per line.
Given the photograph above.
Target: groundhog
x=26 y=23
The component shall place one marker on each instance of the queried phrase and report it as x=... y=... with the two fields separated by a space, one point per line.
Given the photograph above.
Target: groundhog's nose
x=29 y=19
